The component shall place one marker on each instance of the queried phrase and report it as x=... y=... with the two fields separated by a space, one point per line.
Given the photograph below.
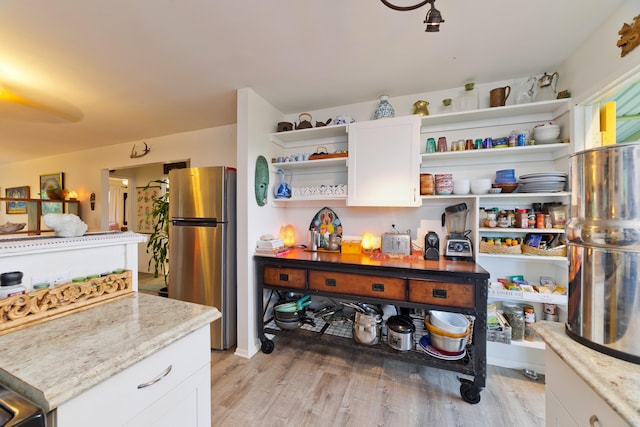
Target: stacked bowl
x=444 y=183
x=546 y=134
x=506 y=180
x=448 y=332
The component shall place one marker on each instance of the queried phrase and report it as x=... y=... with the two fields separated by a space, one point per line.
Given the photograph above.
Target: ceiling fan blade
x=12 y=96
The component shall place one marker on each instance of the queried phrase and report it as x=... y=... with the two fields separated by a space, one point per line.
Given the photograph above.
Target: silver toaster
x=396 y=244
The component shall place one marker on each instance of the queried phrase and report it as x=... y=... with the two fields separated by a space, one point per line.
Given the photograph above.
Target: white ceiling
x=125 y=70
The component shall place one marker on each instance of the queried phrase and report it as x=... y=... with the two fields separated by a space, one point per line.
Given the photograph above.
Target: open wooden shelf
x=34 y=213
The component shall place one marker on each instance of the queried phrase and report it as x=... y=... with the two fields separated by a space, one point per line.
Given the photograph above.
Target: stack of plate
x=543 y=182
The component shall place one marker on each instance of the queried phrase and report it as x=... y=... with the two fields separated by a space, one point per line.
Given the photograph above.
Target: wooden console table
x=409 y=283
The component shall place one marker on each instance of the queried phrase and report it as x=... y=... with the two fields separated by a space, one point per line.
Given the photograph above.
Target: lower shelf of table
x=340 y=333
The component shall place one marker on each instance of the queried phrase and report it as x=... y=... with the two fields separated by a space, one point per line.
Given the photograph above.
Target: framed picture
x=17 y=193
x=144 y=207
x=53 y=181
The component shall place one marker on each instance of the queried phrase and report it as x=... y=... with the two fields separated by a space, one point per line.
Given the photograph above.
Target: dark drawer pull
x=439 y=293
x=284 y=277
x=377 y=287
x=330 y=282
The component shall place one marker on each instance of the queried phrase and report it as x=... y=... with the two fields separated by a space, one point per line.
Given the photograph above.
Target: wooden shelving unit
x=34 y=213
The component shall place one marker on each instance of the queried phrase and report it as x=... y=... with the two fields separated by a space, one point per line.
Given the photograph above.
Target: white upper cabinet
x=384 y=162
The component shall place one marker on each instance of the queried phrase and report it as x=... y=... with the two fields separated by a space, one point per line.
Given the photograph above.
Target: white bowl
x=480 y=186
x=461 y=186
x=546 y=133
x=454 y=323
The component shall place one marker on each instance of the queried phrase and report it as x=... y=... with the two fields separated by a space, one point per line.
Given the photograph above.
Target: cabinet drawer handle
x=156 y=379
x=330 y=282
x=439 y=293
x=377 y=287
x=594 y=421
x=284 y=277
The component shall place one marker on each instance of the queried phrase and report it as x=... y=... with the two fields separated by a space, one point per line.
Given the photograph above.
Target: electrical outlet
x=53 y=278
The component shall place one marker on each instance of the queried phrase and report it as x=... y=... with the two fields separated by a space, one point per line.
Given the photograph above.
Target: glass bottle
x=384 y=109
x=469 y=100
x=447 y=105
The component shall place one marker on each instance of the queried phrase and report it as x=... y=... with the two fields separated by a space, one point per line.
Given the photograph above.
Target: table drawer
x=441 y=293
x=287 y=277
x=357 y=284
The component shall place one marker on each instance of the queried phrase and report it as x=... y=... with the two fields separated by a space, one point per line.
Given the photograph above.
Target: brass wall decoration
x=629 y=36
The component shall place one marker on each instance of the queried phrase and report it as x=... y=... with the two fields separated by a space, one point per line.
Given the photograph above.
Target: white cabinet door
x=384 y=162
x=575 y=397
x=150 y=390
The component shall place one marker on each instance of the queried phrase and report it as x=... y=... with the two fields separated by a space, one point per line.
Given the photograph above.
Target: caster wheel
x=469 y=393
x=267 y=346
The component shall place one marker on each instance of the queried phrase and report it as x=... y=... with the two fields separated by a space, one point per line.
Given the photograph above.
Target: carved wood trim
x=19 y=311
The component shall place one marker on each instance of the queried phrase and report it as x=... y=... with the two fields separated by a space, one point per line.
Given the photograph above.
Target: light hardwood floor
x=303 y=384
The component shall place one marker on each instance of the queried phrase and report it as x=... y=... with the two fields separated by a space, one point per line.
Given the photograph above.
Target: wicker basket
x=530 y=250
x=487 y=248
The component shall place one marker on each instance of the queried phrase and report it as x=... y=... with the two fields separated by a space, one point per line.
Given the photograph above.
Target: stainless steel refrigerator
x=202 y=244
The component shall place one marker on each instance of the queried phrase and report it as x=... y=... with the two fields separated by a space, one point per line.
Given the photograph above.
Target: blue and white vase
x=384 y=109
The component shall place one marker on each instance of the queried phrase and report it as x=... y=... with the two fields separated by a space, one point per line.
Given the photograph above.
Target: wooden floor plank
x=307 y=384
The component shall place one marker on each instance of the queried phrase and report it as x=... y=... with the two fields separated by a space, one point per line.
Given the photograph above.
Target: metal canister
x=521 y=139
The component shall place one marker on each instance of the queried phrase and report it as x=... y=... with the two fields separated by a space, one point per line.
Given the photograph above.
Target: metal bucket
x=604 y=250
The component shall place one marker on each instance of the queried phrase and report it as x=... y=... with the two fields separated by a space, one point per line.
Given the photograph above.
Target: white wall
x=256 y=118
x=87 y=171
x=597 y=64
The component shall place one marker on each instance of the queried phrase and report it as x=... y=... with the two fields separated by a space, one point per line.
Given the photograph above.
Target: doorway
x=128 y=202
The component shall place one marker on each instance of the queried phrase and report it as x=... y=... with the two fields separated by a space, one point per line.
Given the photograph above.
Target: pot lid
x=401 y=324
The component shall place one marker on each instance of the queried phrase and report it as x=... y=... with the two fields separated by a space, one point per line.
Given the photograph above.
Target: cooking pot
x=367 y=325
x=400 y=332
x=604 y=250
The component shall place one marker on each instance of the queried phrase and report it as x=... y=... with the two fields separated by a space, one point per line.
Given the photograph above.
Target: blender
x=458 y=245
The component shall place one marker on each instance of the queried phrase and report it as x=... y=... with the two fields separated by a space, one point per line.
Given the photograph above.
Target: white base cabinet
x=169 y=388
x=570 y=401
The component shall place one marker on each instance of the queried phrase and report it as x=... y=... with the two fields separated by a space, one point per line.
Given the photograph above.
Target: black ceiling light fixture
x=433 y=19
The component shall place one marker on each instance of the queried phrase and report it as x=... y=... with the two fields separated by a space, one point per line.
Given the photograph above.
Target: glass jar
x=532 y=219
x=447 y=105
x=515 y=316
x=511 y=216
x=469 y=99
x=503 y=220
x=522 y=219
x=492 y=218
x=482 y=214
x=529 y=320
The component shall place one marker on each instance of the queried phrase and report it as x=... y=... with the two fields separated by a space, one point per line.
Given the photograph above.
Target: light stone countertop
x=54 y=361
x=616 y=381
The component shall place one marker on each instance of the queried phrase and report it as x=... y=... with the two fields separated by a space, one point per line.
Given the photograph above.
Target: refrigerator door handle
x=195 y=222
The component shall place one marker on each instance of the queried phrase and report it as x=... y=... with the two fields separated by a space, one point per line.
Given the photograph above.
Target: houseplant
x=158 y=243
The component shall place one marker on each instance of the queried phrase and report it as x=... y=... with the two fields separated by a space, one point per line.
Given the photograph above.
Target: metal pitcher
x=547 y=87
